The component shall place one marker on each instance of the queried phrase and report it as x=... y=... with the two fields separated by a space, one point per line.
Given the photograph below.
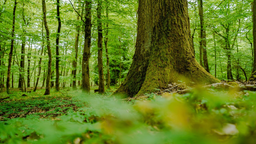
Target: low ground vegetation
x=203 y=115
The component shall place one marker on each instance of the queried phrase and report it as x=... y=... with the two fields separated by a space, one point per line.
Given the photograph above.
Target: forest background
x=226 y=50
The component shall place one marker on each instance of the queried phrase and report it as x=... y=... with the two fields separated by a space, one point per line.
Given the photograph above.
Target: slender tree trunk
x=163 y=50
x=120 y=64
x=1 y=67
x=12 y=72
x=253 y=75
x=57 y=47
x=215 y=57
x=11 y=50
x=238 y=64
x=74 y=64
x=106 y=47
x=87 y=46
x=40 y=60
x=44 y=76
x=48 y=79
x=203 y=51
x=28 y=69
x=229 y=53
x=100 y=47
x=52 y=76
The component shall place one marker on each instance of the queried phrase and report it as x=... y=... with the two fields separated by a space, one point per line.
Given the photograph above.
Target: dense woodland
x=127 y=71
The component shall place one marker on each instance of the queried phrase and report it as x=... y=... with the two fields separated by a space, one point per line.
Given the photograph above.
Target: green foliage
x=202 y=116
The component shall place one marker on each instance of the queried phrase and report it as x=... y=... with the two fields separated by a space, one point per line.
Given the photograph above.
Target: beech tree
x=87 y=46
x=11 y=50
x=203 y=51
x=100 y=47
x=163 y=49
x=48 y=79
x=253 y=75
x=57 y=47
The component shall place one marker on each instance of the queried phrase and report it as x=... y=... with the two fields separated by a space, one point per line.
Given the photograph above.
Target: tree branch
x=76 y=11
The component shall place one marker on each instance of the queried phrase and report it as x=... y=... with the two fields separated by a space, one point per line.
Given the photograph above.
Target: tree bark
x=29 y=60
x=106 y=47
x=215 y=55
x=164 y=52
x=74 y=64
x=1 y=66
x=100 y=49
x=87 y=46
x=48 y=79
x=57 y=47
x=253 y=75
x=11 y=50
x=203 y=51
x=229 y=53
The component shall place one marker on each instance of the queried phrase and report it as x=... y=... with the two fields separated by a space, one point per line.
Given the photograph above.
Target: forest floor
x=218 y=113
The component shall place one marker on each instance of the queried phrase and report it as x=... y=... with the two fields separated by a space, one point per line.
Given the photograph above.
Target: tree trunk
x=106 y=47
x=11 y=50
x=203 y=51
x=57 y=47
x=1 y=67
x=87 y=46
x=100 y=47
x=28 y=69
x=163 y=50
x=253 y=75
x=120 y=64
x=229 y=53
x=40 y=60
x=12 y=72
x=215 y=55
x=74 y=64
x=48 y=79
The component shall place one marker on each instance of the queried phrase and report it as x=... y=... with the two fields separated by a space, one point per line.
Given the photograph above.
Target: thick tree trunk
x=100 y=47
x=203 y=51
x=106 y=47
x=40 y=60
x=48 y=79
x=57 y=47
x=164 y=52
x=87 y=46
x=11 y=50
x=74 y=63
x=253 y=75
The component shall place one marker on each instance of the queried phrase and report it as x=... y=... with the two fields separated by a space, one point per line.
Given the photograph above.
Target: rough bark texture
x=106 y=47
x=87 y=46
x=11 y=50
x=74 y=63
x=164 y=52
x=100 y=49
x=57 y=47
x=48 y=79
x=253 y=75
x=203 y=51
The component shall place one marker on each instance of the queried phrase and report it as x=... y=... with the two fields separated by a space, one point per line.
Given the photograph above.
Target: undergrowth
x=200 y=117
